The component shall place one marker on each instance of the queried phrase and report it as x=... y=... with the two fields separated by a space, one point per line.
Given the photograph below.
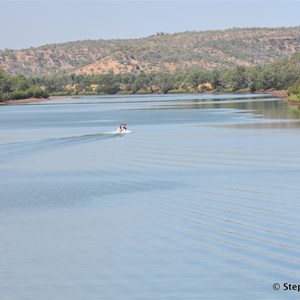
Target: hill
x=217 y=49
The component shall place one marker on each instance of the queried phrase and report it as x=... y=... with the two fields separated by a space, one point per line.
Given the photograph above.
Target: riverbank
x=294 y=99
x=28 y=100
x=293 y=102
x=284 y=95
x=281 y=94
x=33 y=100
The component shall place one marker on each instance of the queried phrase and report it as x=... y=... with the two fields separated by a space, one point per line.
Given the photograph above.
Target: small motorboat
x=123 y=129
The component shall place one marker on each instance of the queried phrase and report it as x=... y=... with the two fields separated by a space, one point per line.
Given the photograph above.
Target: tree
x=215 y=79
x=108 y=89
x=239 y=79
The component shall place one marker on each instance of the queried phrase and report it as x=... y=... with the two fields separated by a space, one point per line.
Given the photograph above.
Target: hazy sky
x=32 y=23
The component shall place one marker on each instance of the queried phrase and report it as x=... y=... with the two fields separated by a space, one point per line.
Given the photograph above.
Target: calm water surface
x=200 y=202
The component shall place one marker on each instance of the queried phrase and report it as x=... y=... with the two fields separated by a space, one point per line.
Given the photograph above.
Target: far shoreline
x=28 y=100
x=34 y=100
x=280 y=94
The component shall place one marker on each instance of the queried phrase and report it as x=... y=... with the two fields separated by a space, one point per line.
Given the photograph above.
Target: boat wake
x=115 y=132
x=32 y=146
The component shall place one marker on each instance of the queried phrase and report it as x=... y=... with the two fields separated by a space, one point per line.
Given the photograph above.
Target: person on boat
x=122 y=128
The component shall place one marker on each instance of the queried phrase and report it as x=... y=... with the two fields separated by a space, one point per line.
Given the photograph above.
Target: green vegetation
x=284 y=74
x=274 y=76
x=294 y=92
x=19 y=87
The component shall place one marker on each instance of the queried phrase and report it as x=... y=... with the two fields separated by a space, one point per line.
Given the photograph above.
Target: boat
x=122 y=129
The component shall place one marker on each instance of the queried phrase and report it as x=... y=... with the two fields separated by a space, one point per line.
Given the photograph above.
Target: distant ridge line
x=160 y=52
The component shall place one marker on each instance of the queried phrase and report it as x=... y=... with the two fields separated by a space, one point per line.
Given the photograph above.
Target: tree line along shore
x=281 y=75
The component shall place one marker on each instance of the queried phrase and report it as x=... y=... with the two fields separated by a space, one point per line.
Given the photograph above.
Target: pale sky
x=25 y=24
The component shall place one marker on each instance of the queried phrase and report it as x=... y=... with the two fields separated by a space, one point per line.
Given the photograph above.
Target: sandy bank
x=29 y=100
x=32 y=100
x=281 y=94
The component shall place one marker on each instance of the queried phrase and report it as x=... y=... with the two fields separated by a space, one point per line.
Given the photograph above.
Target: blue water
x=201 y=201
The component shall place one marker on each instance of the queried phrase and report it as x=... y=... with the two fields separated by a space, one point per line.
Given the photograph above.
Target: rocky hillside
x=160 y=52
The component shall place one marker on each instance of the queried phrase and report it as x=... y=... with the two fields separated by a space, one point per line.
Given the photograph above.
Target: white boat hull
x=123 y=131
x=119 y=133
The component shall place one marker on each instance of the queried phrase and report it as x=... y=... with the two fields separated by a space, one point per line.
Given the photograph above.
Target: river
x=201 y=201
